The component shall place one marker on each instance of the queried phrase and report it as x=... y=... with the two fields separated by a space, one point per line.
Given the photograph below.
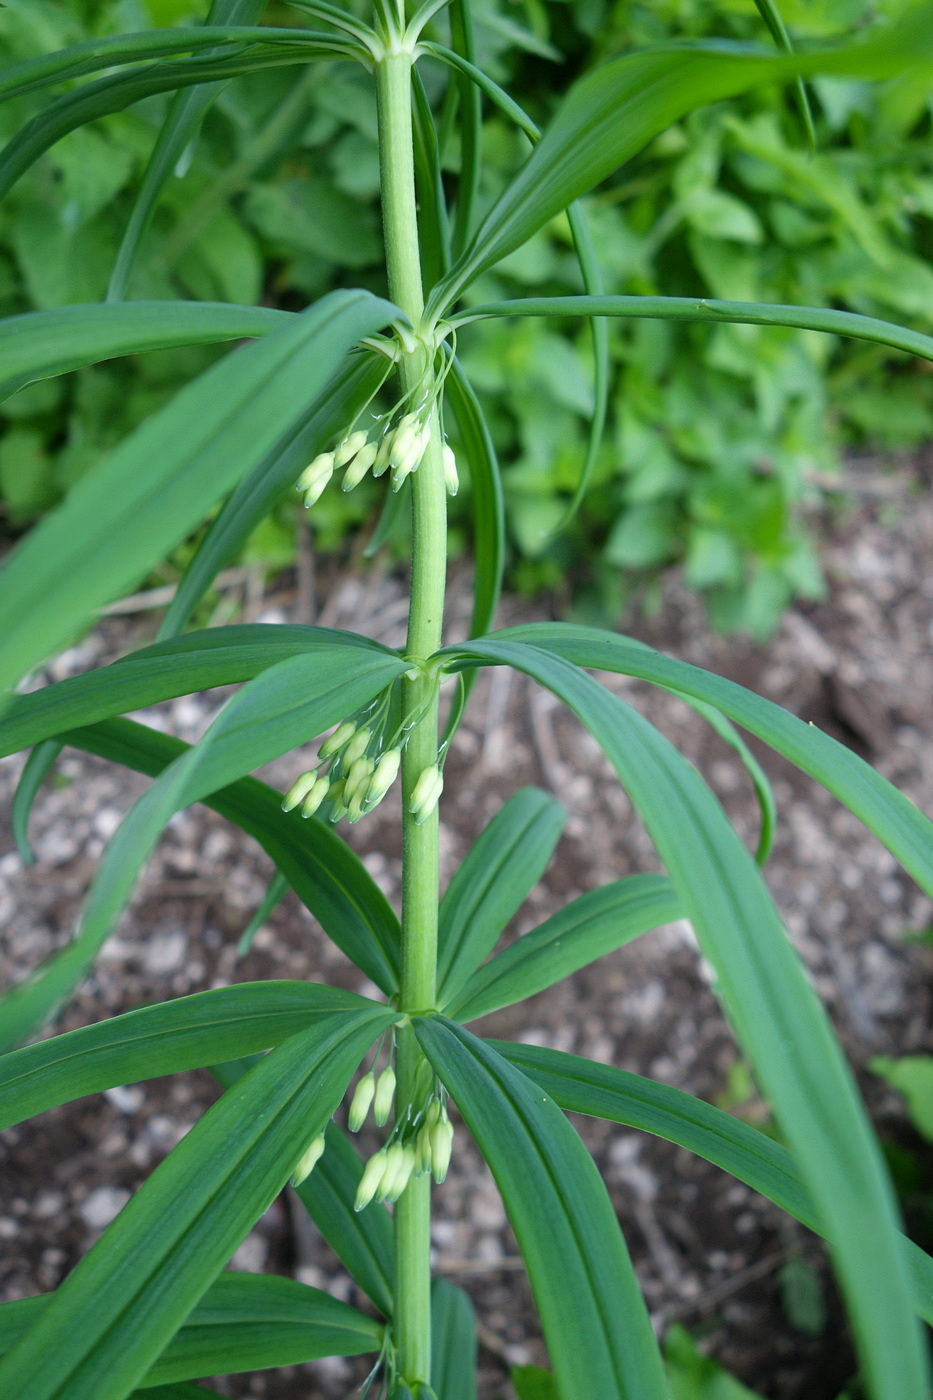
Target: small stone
x=103 y=1205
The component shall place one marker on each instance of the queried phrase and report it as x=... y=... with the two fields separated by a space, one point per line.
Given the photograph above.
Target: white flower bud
x=341 y=735
x=373 y=1173
x=315 y=492
x=349 y=448
x=357 y=746
x=337 y=794
x=451 y=478
x=357 y=781
x=442 y=1141
x=299 y=790
x=400 y=1163
x=362 y=1098
x=316 y=796
x=384 y=776
x=383 y=454
x=385 y=1096
x=426 y=794
x=359 y=467
x=308 y=1160
x=321 y=466
x=423 y=1150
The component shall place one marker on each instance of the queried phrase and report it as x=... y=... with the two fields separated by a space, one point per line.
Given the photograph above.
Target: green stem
x=412 y=1316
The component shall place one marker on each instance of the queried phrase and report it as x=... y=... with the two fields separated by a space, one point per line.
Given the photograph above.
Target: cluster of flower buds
x=380 y=1094
x=308 y=1160
x=425 y=1148
x=354 y=772
x=401 y=447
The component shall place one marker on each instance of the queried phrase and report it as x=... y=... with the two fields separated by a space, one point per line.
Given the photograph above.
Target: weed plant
x=362 y=386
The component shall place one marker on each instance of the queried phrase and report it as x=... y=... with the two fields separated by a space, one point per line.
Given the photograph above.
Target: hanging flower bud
x=362 y=1098
x=385 y=1096
x=405 y=1165
x=395 y=1161
x=341 y=735
x=299 y=790
x=357 y=784
x=357 y=746
x=406 y=429
x=359 y=467
x=337 y=794
x=316 y=796
x=426 y=794
x=349 y=448
x=321 y=466
x=442 y=1141
x=383 y=454
x=373 y=1173
x=384 y=776
x=451 y=478
x=308 y=1160
x=423 y=1150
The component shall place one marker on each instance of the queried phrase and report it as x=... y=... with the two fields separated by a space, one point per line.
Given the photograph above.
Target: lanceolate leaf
x=488 y=501
x=453 y=1342
x=772 y=17
x=754 y=313
x=327 y=877
x=277 y=711
x=244 y=1322
x=185 y=1034
x=594 y=1319
x=906 y=832
x=583 y=1086
x=584 y=930
x=37 y=768
x=503 y=865
x=145 y=497
x=612 y=113
x=182 y=666
x=114 y=1314
x=772 y=1006
x=46 y=343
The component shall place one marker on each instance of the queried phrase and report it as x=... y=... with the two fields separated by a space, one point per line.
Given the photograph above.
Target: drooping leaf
x=275 y=712
x=594 y=1319
x=453 y=1342
x=777 y=1018
x=584 y=930
x=488 y=501
x=499 y=870
x=144 y=498
x=188 y=1033
x=110 y=1320
x=38 y=766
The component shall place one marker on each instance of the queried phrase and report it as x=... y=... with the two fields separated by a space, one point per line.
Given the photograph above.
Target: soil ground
x=710 y=1254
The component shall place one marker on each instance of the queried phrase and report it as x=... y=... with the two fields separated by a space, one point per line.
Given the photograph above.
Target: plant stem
x=412 y=1319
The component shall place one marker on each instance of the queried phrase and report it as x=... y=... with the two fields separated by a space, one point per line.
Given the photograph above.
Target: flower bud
x=384 y=776
x=357 y=781
x=423 y=1150
x=401 y=1176
x=451 y=478
x=316 y=796
x=299 y=790
x=321 y=467
x=383 y=454
x=373 y=1173
x=426 y=794
x=349 y=448
x=337 y=796
x=385 y=1096
x=359 y=467
x=442 y=1141
x=362 y=1098
x=406 y=430
x=395 y=1164
x=357 y=746
x=308 y=1160
x=341 y=735
x=314 y=493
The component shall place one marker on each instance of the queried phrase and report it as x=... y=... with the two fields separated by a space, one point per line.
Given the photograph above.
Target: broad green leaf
x=772 y=1006
x=453 y=1342
x=179 y=128
x=273 y=713
x=114 y=1314
x=176 y=1035
x=504 y=864
x=488 y=501
x=182 y=666
x=38 y=766
x=244 y=1322
x=46 y=343
x=327 y=877
x=145 y=497
x=611 y=114
x=275 y=892
x=893 y=818
x=594 y=1318
x=113 y=94
x=253 y=497
x=752 y=313
x=584 y=930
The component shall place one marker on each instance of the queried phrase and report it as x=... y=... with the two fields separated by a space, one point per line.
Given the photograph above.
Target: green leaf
x=592 y=281
x=354 y=382
x=772 y=17
x=114 y=1314
x=327 y=877
x=504 y=864
x=178 y=129
x=276 y=891
x=534 y=1383
x=775 y=1013
x=594 y=1319
x=144 y=498
x=912 y=1076
x=470 y=126
x=453 y=1342
x=433 y=228
x=612 y=114
x=893 y=818
x=46 y=343
x=488 y=501
x=273 y=713
x=182 y=666
x=752 y=313
x=579 y=1085
x=694 y=1376
x=38 y=766
x=584 y=930
x=244 y=1322
x=165 y=1039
